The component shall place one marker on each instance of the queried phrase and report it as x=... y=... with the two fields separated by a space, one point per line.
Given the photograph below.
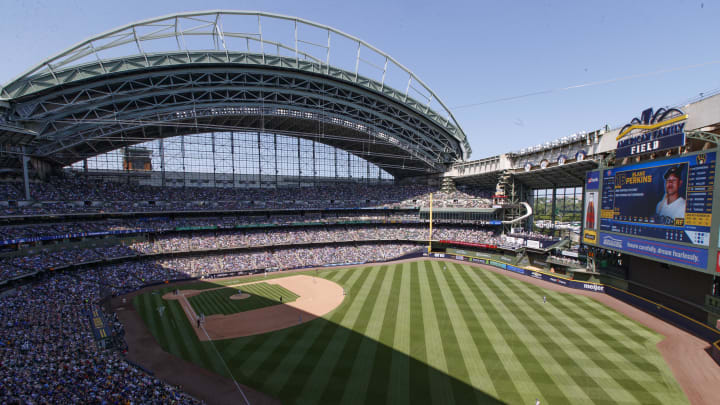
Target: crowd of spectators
x=533 y=236
x=567 y=261
x=246 y=238
x=75 y=193
x=48 y=354
x=10 y=191
x=305 y=235
x=11 y=267
x=273 y=259
x=159 y=224
x=47 y=350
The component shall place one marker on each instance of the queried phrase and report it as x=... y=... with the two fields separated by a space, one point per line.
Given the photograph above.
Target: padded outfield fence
x=684 y=322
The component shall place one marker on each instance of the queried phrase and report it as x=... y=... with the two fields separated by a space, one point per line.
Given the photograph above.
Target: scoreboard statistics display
x=669 y=199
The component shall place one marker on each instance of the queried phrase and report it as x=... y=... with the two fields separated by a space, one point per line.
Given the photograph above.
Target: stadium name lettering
x=653 y=135
x=645 y=147
x=639 y=178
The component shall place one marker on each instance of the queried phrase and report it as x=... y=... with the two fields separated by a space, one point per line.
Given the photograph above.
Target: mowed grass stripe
x=261 y=295
x=561 y=344
x=524 y=349
x=440 y=384
x=164 y=327
x=646 y=369
x=480 y=328
x=616 y=325
x=150 y=314
x=243 y=345
x=145 y=308
x=255 y=358
x=188 y=341
x=308 y=357
x=464 y=361
x=419 y=376
x=273 y=364
x=633 y=373
x=340 y=380
x=270 y=291
x=289 y=352
x=379 y=384
x=283 y=372
x=343 y=277
x=399 y=387
x=458 y=375
x=265 y=352
x=313 y=385
x=167 y=326
x=357 y=387
x=610 y=347
x=554 y=359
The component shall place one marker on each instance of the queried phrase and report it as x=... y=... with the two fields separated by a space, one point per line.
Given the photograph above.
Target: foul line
x=194 y=317
x=226 y=366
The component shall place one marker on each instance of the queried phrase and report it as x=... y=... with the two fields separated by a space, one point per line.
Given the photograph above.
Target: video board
x=669 y=199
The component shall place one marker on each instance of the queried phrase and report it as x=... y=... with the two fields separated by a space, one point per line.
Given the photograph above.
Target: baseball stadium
x=235 y=207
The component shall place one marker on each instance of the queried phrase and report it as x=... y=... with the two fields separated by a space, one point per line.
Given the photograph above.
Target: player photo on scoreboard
x=652 y=195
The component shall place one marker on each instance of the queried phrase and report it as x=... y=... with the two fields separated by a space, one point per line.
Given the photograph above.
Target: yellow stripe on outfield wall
x=651 y=126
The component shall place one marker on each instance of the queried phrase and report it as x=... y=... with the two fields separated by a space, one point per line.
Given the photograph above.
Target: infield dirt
x=318 y=296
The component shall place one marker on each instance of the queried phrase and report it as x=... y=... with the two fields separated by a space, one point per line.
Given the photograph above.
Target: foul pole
x=430 y=233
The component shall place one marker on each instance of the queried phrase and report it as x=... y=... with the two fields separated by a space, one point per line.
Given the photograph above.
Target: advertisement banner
x=670 y=199
x=592 y=287
x=682 y=255
x=72 y=236
x=591 y=210
x=590 y=237
x=468 y=253
x=592 y=181
x=515 y=269
x=570 y=253
x=533 y=244
x=498 y=264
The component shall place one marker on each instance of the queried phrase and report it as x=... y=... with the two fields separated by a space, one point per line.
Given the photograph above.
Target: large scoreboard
x=661 y=209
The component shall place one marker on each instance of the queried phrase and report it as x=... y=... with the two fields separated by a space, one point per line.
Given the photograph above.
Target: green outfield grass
x=413 y=333
x=261 y=295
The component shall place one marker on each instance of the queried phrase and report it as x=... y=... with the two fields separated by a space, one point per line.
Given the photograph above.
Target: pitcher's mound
x=239 y=296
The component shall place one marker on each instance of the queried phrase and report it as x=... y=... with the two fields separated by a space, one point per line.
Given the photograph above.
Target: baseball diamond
x=415 y=333
x=218 y=301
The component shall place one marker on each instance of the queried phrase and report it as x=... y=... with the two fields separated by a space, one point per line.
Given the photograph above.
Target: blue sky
x=468 y=52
